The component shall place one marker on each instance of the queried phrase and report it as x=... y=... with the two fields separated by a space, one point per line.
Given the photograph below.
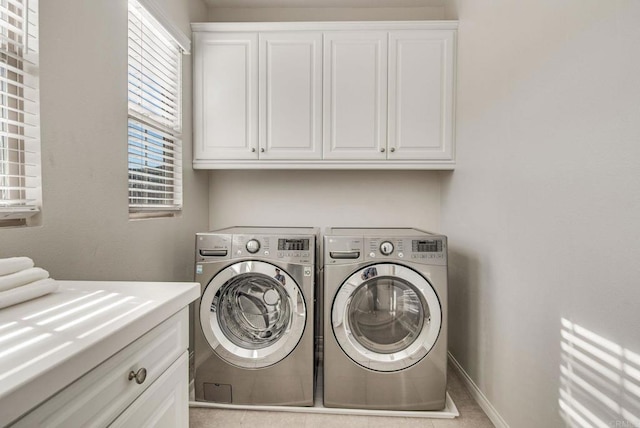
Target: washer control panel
x=286 y=249
x=294 y=247
x=215 y=247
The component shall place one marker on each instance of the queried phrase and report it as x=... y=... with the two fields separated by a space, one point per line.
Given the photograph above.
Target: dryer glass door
x=252 y=314
x=386 y=314
x=386 y=317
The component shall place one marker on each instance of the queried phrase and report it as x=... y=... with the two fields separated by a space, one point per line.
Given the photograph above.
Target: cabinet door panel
x=98 y=397
x=225 y=82
x=165 y=404
x=355 y=95
x=421 y=94
x=290 y=95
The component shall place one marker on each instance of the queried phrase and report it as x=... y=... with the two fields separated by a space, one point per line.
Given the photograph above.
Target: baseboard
x=477 y=395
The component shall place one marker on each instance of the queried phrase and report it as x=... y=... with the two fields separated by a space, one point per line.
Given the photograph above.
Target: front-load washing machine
x=254 y=322
x=385 y=319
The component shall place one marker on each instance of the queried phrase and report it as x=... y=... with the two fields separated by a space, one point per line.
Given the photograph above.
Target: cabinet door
x=225 y=98
x=355 y=95
x=421 y=82
x=165 y=404
x=290 y=85
x=99 y=396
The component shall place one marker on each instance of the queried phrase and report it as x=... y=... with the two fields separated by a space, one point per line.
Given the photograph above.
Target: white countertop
x=47 y=343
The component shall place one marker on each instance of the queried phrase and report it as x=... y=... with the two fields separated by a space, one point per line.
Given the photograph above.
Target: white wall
x=325 y=198
x=324 y=14
x=85 y=231
x=543 y=209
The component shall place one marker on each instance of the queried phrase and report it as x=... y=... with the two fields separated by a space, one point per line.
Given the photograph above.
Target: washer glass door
x=386 y=317
x=252 y=314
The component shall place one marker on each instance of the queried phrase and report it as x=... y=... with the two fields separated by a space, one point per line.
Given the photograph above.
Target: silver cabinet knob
x=262 y=150
x=139 y=376
x=253 y=149
x=382 y=150
x=393 y=149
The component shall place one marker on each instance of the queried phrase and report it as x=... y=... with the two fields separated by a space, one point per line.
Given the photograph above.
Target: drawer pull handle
x=139 y=376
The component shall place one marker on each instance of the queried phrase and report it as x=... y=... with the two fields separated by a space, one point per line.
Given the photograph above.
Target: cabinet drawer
x=165 y=404
x=97 y=398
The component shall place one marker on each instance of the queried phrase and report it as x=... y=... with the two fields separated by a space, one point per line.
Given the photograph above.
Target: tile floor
x=471 y=416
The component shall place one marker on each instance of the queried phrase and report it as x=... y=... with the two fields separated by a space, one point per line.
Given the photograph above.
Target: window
x=20 y=179
x=155 y=116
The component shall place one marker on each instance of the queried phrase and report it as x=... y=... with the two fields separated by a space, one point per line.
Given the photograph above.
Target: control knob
x=386 y=248
x=253 y=246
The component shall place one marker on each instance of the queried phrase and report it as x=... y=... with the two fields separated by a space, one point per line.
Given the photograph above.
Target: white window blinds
x=20 y=189
x=155 y=116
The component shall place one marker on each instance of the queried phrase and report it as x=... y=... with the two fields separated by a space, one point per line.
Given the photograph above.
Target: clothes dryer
x=385 y=319
x=254 y=322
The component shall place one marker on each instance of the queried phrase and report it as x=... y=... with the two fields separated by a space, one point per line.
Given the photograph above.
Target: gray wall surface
x=325 y=198
x=85 y=231
x=543 y=209
x=283 y=14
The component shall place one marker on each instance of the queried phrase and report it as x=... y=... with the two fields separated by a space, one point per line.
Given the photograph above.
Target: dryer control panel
x=420 y=249
x=432 y=251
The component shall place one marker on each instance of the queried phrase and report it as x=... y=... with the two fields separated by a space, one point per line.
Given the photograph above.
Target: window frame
x=154 y=123
x=20 y=141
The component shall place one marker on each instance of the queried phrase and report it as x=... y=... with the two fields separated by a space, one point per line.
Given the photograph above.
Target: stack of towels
x=21 y=281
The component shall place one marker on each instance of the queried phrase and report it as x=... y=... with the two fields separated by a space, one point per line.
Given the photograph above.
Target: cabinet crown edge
x=324 y=25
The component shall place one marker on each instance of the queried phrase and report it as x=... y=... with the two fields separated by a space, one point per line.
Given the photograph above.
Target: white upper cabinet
x=325 y=95
x=421 y=95
x=290 y=83
x=355 y=95
x=225 y=96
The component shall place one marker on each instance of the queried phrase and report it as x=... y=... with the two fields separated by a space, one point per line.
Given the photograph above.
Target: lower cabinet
x=162 y=405
x=144 y=384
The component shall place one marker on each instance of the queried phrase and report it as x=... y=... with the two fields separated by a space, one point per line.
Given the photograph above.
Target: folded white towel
x=15 y=264
x=23 y=277
x=27 y=292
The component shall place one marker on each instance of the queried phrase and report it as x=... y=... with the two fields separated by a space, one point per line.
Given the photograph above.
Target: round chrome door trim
x=252 y=358
x=386 y=362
